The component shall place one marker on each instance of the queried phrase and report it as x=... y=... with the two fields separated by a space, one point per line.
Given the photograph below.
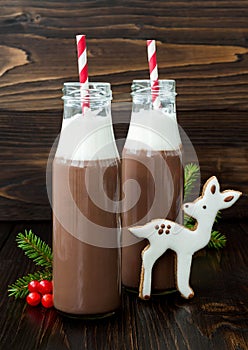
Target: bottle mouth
x=165 y=88
x=75 y=91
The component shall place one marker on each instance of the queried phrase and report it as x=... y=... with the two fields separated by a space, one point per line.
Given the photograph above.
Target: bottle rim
x=166 y=87
x=75 y=91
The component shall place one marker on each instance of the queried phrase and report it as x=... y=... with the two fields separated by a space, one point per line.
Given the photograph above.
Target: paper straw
x=83 y=70
x=153 y=68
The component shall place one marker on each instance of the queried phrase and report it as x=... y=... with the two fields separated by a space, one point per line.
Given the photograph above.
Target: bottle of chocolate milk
x=86 y=193
x=152 y=179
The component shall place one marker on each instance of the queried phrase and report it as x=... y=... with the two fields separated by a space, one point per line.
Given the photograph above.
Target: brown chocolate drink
x=86 y=269
x=160 y=177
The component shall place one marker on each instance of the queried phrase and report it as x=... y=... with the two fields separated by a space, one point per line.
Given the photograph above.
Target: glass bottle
x=152 y=179
x=86 y=191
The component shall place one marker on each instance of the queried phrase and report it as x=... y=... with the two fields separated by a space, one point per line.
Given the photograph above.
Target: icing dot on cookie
x=167 y=232
x=162 y=226
x=168 y=226
x=156 y=227
x=161 y=231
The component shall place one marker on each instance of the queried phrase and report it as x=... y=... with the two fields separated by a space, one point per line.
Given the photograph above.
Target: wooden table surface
x=216 y=318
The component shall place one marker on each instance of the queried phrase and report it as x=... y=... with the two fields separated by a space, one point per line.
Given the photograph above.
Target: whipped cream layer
x=153 y=130
x=85 y=138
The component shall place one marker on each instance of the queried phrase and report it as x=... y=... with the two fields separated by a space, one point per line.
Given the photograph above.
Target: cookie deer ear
x=229 y=197
x=212 y=186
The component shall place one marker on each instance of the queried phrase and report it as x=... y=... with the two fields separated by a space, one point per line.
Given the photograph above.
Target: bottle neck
x=87 y=132
x=153 y=125
x=162 y=99
x=93 y=101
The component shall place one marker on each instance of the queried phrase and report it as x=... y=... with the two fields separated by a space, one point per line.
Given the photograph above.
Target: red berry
x=33 y=298
x=45 y=287
x=33 y=286
x=47 y=300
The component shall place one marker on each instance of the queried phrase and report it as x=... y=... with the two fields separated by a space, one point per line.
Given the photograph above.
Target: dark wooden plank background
x=201 y=44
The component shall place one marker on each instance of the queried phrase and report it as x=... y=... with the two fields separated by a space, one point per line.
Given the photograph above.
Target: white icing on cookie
x=165 y=234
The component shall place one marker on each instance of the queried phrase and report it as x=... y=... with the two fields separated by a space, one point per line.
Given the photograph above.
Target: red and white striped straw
x=83 y=70
x=153 y=67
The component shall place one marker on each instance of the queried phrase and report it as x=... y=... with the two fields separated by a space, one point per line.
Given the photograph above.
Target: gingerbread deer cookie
x=165 y=234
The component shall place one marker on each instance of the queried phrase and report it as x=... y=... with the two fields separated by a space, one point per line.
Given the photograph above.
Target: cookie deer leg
x=149 y=255
x=183 y=275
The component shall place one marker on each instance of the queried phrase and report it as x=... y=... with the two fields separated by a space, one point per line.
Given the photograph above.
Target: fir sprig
x=189 y=222
x=19 y=289
x=218 y=217
x=218 y=240
x=191 y=175
x=35 y=248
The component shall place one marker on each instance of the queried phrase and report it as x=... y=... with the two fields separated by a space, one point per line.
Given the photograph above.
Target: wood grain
x=208 y=76
x=201 y=44
x=216 y=318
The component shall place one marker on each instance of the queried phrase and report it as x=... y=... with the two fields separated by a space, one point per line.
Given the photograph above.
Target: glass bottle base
x=88 y=316
x=154 y=293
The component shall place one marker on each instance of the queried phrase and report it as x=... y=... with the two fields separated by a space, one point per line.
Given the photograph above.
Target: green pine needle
x=19 y=289
x=189 y=222
x=218 y=240
x=191 y=174
x=35 y=248
x=218 y=217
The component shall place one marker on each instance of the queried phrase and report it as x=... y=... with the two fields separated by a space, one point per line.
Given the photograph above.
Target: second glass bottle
x=152 y=179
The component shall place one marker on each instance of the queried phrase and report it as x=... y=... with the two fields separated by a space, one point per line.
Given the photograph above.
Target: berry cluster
x=40 y=292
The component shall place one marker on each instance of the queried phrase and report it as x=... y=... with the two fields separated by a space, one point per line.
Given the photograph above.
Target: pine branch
x=35 y=248
x=218 y=216
x=189 y=222
x=218 y=240
x=191 y=174
x=19 y=289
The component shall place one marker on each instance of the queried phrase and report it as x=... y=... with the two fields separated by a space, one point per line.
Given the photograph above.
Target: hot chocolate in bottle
x=86 y=193
x=152 y=179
